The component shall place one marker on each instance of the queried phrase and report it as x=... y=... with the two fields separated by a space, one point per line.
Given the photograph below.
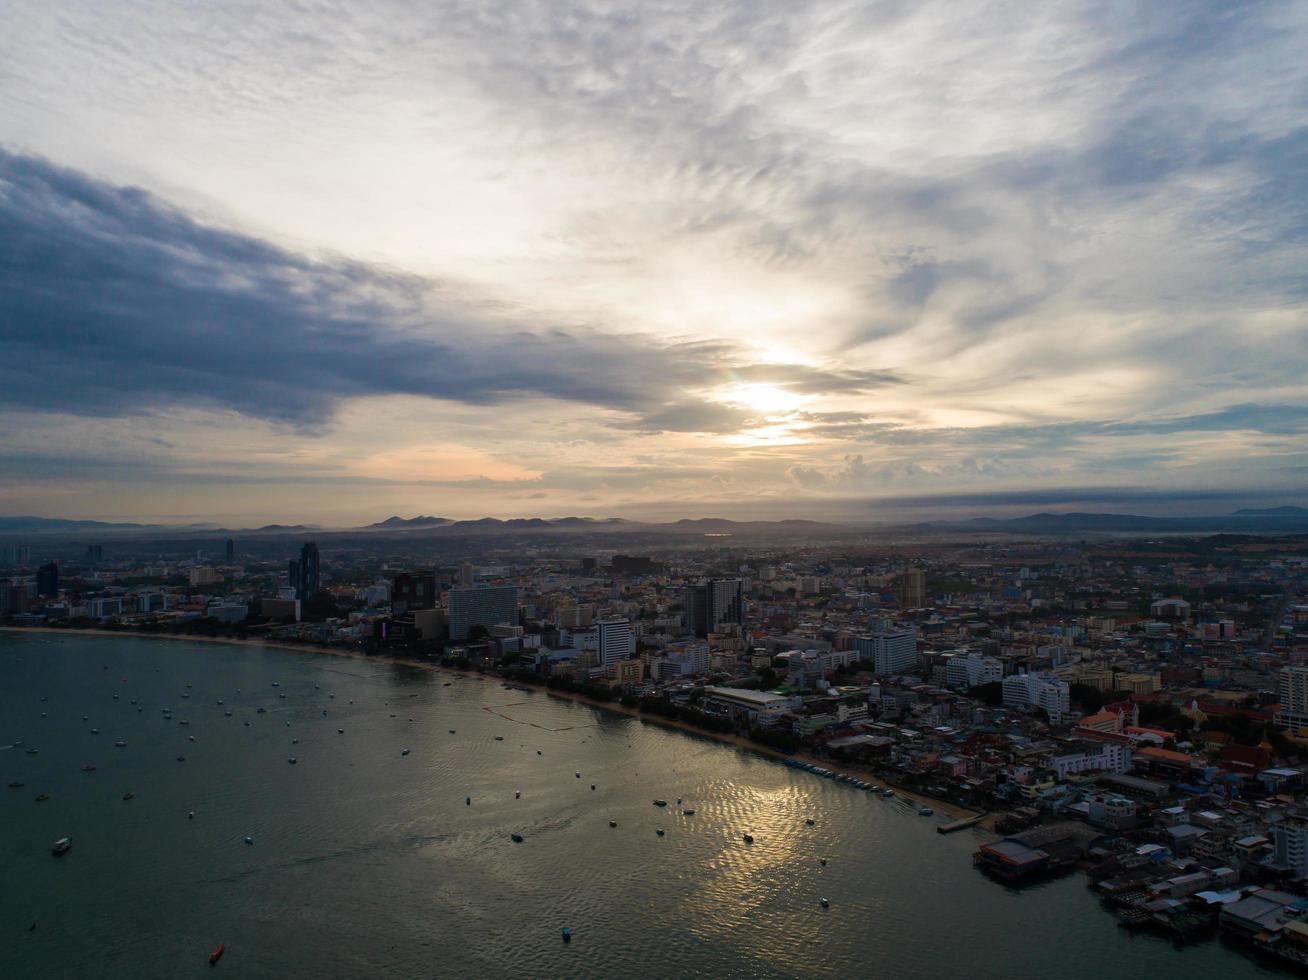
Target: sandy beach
x=726 y=738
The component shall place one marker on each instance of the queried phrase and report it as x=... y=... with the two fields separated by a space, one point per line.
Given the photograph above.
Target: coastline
x=726 y=738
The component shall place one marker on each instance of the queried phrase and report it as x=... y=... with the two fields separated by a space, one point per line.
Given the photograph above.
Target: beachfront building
x=483 y=606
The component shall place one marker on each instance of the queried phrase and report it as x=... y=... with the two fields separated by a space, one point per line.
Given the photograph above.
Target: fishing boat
x=566 y=933
x=926 y=811
x=249 y=839
x=659 y=831
x=404 y=752
x=613 y=823
x=291 y=760
x=499 y=738
x=43 y=797
x=887 y=793
x=517 y=794
x=17 y=784
x=217 y=953
x=808 y=822
x=660 y=802
x=88 y=767
x=120 y=744
x=128 y=796
x=687 y=813
x=181 y=758
x=825 y=903
x=748 y=839
x=61 y=846
x=32 y=750
x=517 y=838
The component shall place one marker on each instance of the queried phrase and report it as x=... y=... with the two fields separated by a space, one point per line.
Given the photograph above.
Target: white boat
x=61 y=846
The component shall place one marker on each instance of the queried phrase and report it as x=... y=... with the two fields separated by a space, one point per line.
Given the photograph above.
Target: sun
x=763 y=398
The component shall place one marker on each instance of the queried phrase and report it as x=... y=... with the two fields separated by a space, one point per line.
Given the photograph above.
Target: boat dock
x=963 y=824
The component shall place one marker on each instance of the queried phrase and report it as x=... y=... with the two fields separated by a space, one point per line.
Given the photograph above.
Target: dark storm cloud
x=111 y=301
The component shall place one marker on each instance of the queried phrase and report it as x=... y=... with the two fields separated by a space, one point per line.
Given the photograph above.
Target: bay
x=368 y=862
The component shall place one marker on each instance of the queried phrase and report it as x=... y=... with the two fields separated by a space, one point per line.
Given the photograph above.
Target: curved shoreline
x=724 y=738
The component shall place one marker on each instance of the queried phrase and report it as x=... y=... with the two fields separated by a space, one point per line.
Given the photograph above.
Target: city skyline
x=655 y=262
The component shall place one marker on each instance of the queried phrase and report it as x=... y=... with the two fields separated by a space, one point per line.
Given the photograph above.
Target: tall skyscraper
x=614 y=640
x=1292 y=691
x=293 y=575
x=726 y=604
x=467 y=574
x=912 y=589
x=712 y=604
x=310 y=579
x=892 y=651
x=231 y=551
x=481 y=605
x=47 y=580
x=413 y=590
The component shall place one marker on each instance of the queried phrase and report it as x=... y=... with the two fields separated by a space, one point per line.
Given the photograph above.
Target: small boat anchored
x=217 y=953
x=61 y=846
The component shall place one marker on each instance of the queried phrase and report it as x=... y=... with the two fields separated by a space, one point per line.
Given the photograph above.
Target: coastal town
x=1134 y=709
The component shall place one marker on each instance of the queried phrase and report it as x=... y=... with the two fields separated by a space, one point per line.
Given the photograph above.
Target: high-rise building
x=1290 y=837
x=231 y=551
x=47 y=580
x=467 y=574
x=413 y=590
x=712 y=605
x=1292 y=691
x=912 y=589
x=293 y=575
x=694 y=601
x=95 y=552
x=614 y=640
x=892 y=651
x=310 y=576
x=15 y=554
x=481 y=605
x=1039 y=690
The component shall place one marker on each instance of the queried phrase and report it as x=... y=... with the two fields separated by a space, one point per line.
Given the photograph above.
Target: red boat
x=217 y=954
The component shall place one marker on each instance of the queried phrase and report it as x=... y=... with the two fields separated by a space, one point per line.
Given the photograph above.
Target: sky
x=328 y=262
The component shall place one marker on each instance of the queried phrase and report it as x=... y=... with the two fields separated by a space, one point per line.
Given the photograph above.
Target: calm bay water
x=367 y=862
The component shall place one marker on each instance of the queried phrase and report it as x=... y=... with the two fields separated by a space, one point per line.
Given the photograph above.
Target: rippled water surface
x=367 y=862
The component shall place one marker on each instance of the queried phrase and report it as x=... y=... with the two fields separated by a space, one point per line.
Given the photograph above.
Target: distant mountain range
x=1247 y=521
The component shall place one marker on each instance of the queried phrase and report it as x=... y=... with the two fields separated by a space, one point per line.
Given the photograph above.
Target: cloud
x=114 y=302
